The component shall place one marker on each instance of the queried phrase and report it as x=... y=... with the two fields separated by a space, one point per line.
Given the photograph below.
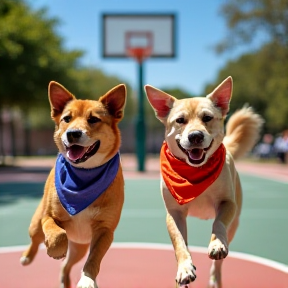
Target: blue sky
x=199 y=27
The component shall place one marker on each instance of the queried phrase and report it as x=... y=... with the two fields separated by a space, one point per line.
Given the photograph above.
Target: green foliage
x=260 y=77
x=247 y=20
x=31 y=54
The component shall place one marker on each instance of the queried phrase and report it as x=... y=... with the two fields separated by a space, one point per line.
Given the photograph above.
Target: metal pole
x=140 y=123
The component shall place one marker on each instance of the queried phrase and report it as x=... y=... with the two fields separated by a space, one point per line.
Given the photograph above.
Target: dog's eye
x=180 y=120
x=207 y=118
x=93 y=120
x=67 y=119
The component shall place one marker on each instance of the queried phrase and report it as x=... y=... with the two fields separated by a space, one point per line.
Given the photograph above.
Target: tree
x=248 y=20
x=31 y=54
x=260 y=76
x=261 y=81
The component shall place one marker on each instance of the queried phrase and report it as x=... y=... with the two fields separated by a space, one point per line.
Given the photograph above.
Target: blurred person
x=281 y=147
x=264 y=149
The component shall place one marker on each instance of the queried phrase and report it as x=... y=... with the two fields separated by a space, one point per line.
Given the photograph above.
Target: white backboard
x=116 y=26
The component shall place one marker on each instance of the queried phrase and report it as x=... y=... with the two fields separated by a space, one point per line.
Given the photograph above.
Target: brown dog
x=198 y=173
x=84 y=192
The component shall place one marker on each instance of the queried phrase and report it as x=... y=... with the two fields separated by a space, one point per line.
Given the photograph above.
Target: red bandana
x=186 y=182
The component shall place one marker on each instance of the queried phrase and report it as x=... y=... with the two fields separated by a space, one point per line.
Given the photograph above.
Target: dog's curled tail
x=242 y=131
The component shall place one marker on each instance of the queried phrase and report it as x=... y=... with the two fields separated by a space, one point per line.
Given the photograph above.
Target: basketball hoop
x=140 y=36
x=139 y=44
x=139 y=53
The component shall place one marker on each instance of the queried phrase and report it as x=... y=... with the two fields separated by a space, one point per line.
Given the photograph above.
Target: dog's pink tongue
x=196 y=154
x=75 y=152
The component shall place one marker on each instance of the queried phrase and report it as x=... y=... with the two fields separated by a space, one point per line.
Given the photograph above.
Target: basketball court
x=142 y=255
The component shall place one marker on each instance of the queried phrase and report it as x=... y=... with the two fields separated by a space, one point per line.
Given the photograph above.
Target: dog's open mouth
x=78 y=154
x=196 y=155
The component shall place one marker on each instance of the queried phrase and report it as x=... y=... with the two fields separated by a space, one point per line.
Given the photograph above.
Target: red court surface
x=136 y=265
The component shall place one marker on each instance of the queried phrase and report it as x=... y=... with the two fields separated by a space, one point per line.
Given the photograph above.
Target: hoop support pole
x=140 y=122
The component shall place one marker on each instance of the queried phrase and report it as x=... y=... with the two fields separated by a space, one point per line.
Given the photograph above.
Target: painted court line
x=157 y=246
x=238 y=255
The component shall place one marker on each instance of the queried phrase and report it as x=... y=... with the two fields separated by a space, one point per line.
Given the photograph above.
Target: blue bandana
x=77 y=188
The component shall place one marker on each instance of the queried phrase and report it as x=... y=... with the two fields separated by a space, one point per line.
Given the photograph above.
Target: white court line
x=158 y=246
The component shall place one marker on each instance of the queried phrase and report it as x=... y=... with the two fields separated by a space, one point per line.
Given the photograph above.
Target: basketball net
x=139 y=53
x=139 y=45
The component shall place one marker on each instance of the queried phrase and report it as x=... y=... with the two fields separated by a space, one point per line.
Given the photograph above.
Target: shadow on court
x=22 y=181
x=11 y=192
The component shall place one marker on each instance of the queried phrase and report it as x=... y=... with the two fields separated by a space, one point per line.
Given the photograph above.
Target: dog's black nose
x=73 y=135
x=196 y=137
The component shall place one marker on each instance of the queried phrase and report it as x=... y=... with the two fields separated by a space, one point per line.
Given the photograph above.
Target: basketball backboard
x=123 y=35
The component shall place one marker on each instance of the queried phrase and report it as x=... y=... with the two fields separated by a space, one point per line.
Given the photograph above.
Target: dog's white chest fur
x=203 y=206
x=79 y=229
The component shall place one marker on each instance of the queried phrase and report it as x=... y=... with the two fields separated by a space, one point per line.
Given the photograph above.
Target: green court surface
x=263 y=229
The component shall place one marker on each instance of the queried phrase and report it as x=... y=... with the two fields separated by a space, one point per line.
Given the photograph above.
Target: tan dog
x=198 y=173
x=84 y=192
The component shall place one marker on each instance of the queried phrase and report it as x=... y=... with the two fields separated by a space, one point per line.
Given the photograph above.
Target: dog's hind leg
x=235 y=223
x=36 y=235
x=74 y=254
x=177 y=228
x=215 y=280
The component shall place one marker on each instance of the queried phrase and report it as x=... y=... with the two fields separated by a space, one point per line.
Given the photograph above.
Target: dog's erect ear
x=222 y=94
x=114 y=100
x=59 y=96
x=160 y=101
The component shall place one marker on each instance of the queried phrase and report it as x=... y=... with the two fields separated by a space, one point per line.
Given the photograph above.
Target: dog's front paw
x=186 y=273
x=86 y=282
x=217 y=250
x=57 y=245
x=24 y=260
